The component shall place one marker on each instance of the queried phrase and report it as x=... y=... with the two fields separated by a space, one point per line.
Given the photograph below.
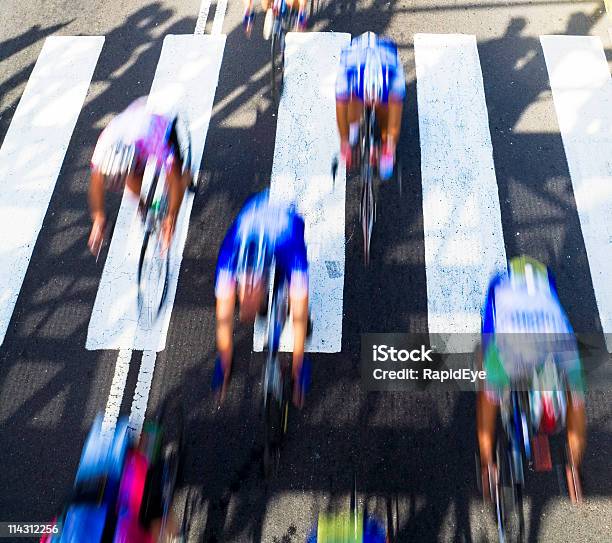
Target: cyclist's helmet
x=118 y=162
x=254 y=257
x=372 y=80
x=530 y=274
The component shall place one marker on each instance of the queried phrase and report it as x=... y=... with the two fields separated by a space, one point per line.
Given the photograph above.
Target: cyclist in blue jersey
x=264 y=232
x=270 y=7
x=370 y=73
x=527 y=338
x=121 y=154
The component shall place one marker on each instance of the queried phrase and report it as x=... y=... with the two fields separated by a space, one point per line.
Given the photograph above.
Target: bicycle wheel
x=367 y=212
x=273 y=420
x=192 y=505
x=171 y=420
x=153 y=272
x=508 y=496
x=278 y=61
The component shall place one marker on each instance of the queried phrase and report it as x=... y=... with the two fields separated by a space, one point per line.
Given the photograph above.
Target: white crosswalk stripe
x=305 y=126
x=582 y=91
x=33 y=152
x=464 y=240
x=191 y=86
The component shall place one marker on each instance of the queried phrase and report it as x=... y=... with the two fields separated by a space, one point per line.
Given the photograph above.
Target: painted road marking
x=217 y=27
x=464 y=242
x=33 y=152
x=141 y=393
x=189 y=85
x=115 y=397
x=202 y=17
x=582 y=92
x=306 y=141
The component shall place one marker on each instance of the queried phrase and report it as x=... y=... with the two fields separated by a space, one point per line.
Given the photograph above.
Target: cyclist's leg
x=355 y=112
x=382 y=120
x=394 y=121
x=576 y=429
x=176 y=184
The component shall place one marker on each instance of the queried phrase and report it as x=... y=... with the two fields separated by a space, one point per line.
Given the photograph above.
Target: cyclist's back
x=352 y=63
x=525 y=326
x=150 y=132
x=284 y=231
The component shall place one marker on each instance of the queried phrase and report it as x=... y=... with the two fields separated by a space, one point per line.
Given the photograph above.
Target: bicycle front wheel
x=508 y=496
x=273 y=420
x=367 y=212
x=153 y=272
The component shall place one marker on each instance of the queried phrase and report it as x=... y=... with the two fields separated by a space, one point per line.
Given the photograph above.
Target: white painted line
x=582 y=92
x=115 y=397
x=202 y=17
x=217 y=27
x=141 y=393
x=464 y=242
x=33 y=152
x=306 y=141
x=189 y=85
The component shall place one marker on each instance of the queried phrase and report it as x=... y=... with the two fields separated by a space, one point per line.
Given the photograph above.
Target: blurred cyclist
x=117 y=492
x=340 y=528
x=249 y=15
x=263 y=232
x=370 y=73
x=527 y=335
x=121 y=154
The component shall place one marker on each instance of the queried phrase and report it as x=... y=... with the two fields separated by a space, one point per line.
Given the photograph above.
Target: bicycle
x=285 y=20
x=154 y=262
x=276 y=382
x=515 y=446
x=121 y=486
x=369 y=150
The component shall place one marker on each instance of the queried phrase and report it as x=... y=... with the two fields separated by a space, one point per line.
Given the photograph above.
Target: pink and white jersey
x=139 y=126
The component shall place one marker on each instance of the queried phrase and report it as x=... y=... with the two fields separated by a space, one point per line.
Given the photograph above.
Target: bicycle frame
x=368 y=204
x=275 y=389
x=155 y=188
x=277 y=316
x=156 y=199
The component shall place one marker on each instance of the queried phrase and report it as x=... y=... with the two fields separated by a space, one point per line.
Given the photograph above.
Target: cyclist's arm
x=397 y=92
x=96 y=195
x=176 y=189
x=225 y=292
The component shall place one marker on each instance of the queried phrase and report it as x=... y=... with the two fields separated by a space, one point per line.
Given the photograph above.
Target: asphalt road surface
x=417 y=448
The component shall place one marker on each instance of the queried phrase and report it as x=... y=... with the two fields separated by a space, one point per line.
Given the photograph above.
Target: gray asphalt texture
x=413 y=450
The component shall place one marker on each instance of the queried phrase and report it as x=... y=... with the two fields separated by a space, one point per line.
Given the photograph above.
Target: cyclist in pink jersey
x=125 y=146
